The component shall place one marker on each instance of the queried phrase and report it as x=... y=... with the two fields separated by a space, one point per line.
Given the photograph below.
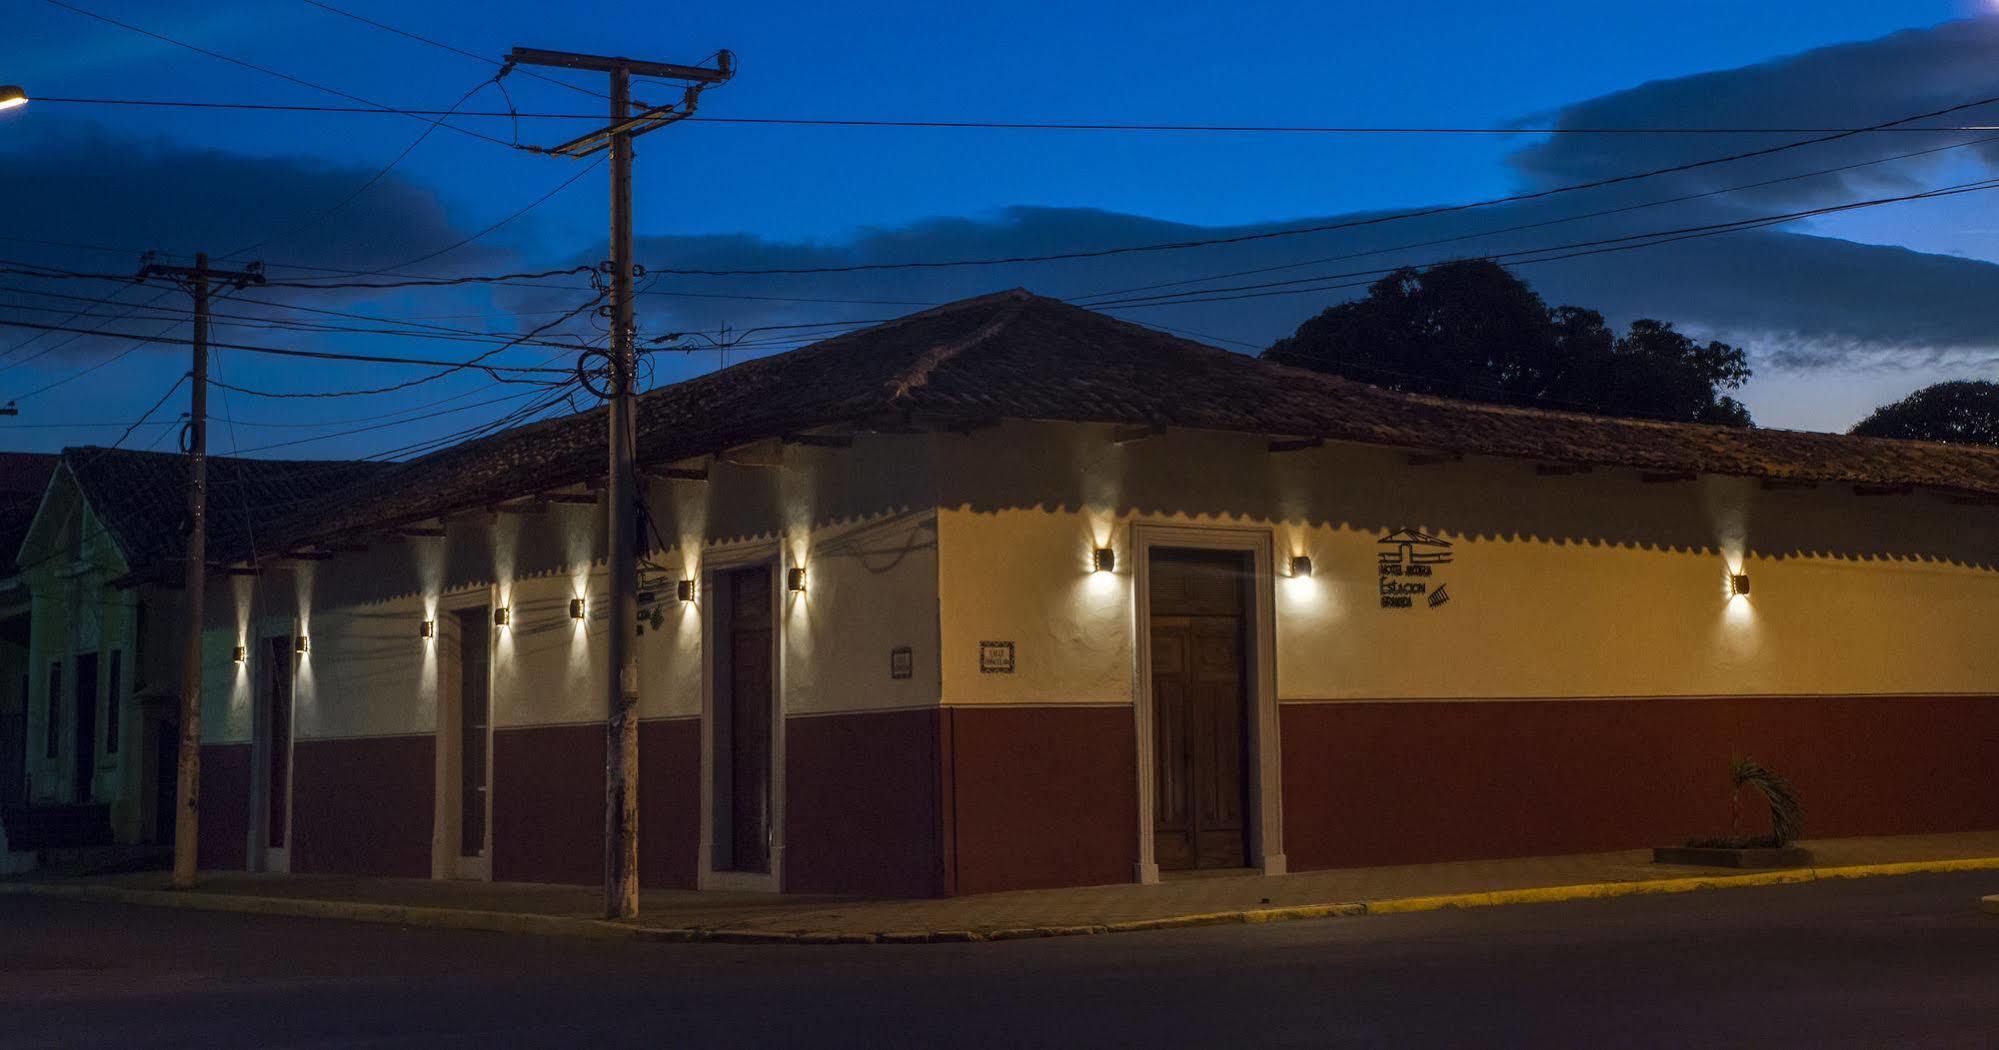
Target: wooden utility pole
x=621 y=491
x=197 y=281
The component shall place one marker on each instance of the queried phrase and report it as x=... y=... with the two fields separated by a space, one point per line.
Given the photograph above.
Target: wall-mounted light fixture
x=1106 y=560
x=241 y=654
x=577 y=609
x=1301 y=567
x=684 y=590
x=301 y=644
x=502 y=616
x=427 y=629
x=1738 y=583
x=794 y=579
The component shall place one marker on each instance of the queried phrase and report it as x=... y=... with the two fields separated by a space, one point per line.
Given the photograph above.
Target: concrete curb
x=602 y=929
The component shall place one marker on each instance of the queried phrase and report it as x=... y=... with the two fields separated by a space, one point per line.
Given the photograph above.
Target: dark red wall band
x=225 y=807
x=364 y=806
x=1369 y=783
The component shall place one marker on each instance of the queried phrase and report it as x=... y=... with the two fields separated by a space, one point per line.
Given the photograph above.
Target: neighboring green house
x=90 y=637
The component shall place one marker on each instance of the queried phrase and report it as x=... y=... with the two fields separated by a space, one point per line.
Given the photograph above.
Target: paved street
x=1892 y=961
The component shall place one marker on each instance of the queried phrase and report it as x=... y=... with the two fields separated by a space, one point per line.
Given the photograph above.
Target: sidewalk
x=746 y=917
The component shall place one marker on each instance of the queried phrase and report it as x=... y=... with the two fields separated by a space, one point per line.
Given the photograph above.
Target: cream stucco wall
x=1583 y=585
x=859 y=519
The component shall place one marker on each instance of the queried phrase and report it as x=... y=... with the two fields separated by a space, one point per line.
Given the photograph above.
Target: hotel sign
x=1407 y=565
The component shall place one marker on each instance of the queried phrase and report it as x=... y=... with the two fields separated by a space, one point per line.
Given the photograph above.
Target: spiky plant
x=1787 y=816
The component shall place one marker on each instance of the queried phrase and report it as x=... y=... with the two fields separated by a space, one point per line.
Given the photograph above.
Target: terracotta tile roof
x=1018 y=355
x=141 y=498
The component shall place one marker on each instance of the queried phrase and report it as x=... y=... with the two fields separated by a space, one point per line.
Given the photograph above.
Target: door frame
x=446 y=860
x=713 y=564
x=1264 y=812
x=264 y=857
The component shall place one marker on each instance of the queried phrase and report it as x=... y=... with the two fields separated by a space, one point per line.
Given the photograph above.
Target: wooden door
x=278 y=717
x=83 y=742
x=475 y=646
x=1200 y=703
x=743 y=722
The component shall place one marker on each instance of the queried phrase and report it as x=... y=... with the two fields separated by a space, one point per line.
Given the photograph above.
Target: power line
x=1048 y=125
x=476 y=57
x=1538 y=225
x=272 y=72
x=321 y=355
x=1601 y=246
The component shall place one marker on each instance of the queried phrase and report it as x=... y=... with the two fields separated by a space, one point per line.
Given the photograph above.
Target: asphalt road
x=1879 y=962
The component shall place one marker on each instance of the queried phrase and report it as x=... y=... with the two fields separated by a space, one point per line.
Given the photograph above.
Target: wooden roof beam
x=675 y=473
x=820 y=440
x=1139 y=432
x=1433 y=459
x=1296 y=444
x=1782 y=484
x=1558 y=470
x=1667 y=477
x=1883 y=490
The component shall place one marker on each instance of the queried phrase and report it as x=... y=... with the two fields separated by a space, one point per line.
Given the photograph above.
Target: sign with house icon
x=1408 y=562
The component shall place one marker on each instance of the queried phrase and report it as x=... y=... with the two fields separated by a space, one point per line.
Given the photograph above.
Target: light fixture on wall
x=502 y=616
x=427 y=629
x=1301 y=567
x=1738 y=583
x=301 y=644
x=1106 y=560
x=241 y=654
x=794 y=579
x=577 y=609
x=684 y=590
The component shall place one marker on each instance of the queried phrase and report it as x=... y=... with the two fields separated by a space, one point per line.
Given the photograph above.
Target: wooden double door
x=1200 y=708
x=743 y=723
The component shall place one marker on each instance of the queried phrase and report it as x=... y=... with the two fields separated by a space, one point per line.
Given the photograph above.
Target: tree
x=1964 y=411
x=1471 y=329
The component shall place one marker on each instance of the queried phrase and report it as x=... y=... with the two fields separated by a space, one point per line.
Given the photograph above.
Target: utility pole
x=196 y=281
x=621 y=491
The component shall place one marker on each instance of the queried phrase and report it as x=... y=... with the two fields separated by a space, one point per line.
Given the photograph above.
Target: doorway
x=742 y=722
x=472 y=634
x=275 y=700
x=1200 y=708
x=83 y=742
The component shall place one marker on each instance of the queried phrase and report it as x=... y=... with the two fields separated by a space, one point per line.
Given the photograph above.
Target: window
x=49 y=750
x=139 y=645
x=113 y=700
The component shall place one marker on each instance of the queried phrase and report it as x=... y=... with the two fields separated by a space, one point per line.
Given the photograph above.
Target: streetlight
x=11 y=95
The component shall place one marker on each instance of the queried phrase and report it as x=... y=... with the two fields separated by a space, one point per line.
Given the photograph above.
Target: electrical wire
x=321 y=355
x=1037 y=125
x=65 y=5
x=1082 y=299
x=1620 y=243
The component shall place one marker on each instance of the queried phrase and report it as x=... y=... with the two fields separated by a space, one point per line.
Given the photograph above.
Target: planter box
x=1715 y=857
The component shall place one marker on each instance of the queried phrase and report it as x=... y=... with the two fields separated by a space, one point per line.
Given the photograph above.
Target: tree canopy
x=1964 y=411
x=1471 y=329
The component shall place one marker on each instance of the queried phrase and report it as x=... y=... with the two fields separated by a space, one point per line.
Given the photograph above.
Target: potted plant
x=1737 y=850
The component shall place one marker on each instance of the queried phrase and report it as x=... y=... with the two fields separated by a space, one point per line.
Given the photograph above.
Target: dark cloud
x=84 y=186
x=1844 y=86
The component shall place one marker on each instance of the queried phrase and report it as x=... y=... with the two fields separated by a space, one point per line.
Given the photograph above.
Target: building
x=1010 y=594
x=93 y=636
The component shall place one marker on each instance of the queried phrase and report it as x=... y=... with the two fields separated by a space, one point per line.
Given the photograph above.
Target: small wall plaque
x=995 y=657
x=901 y=662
